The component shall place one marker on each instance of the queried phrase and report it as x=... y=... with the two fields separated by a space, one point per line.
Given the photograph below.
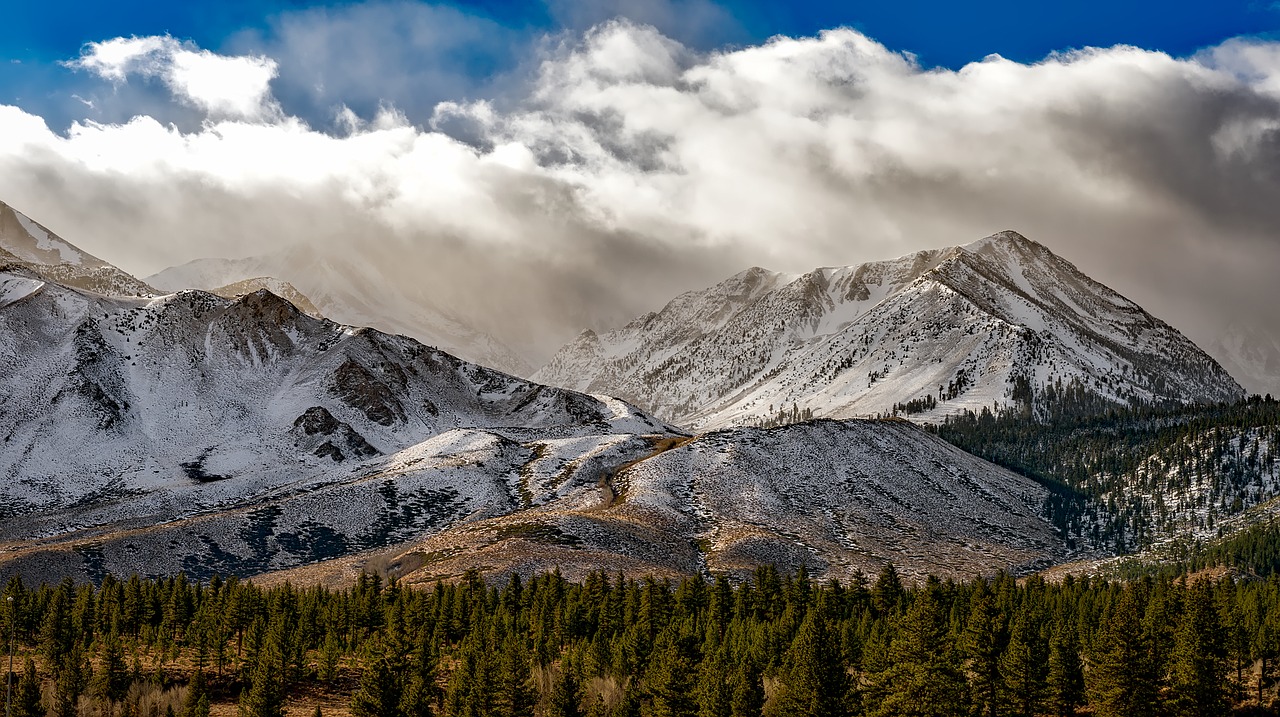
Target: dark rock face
x=360 y=389
x=336 y=439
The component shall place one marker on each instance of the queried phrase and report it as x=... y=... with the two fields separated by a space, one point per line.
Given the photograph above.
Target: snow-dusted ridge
x=961 y=327
x=154 y=433
x=26 y=243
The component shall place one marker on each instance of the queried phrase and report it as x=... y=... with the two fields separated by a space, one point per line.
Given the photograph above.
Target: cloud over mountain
x=624 y=166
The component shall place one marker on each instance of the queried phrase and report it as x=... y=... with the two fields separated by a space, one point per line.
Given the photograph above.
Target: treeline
x=1123 y=479
x=776 y=645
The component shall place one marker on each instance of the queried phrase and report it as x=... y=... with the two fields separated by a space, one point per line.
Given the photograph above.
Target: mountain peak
x=938 y=331
x=1003 y=239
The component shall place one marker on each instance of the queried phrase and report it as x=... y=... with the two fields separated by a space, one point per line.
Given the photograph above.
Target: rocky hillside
x=927 y=335
x=196 y=433
x=25 y=243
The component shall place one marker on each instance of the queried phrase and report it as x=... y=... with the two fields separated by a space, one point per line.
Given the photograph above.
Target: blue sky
x=498 y=36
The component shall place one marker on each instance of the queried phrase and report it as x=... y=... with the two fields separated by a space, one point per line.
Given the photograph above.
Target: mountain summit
x=998 y=321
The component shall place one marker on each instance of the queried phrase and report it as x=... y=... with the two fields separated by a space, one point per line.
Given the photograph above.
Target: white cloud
x=634 y=167
x=234 y=87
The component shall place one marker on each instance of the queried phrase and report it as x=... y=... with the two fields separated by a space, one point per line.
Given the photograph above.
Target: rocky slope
x=24 y=242
x=195 y=433
x=939 y=331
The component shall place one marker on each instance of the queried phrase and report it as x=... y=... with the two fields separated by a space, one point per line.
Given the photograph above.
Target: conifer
x=27 y=695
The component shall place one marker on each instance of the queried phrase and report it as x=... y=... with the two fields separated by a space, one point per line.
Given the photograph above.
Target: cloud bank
x=626 y=166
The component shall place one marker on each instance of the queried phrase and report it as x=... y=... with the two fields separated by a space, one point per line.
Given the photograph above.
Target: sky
x=552 y=165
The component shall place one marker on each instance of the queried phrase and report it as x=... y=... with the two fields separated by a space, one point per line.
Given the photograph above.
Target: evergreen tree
x=196 y=703
x=1066 y=671
x=922 y=678
x=814 y=683
x=69 y=683
x=1024 y=665
x=1200 y=657
x=27 y=694
x=421 y=690
x=669 y=680
x=380 y=689
x=748 y=691
x=714 y=688
x=1122 y=678
x=515 y=695
x=888 y=591
x=111 y=679
x=264 y=695
x=983 y=643
x=565 y=700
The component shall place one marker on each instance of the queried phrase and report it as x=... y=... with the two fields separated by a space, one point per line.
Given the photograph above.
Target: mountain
x=283 y=289
x=353 y=292
x=834 y=497
x=24 y=242
x=933 y=333
x=188 y=432
x=1250 y=354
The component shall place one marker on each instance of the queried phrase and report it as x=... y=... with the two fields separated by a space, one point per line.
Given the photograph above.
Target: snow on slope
x=833 y=496
x=23 y=242
x=191 y=432
x=960 y=325
x=353 y=292
x=154 y=408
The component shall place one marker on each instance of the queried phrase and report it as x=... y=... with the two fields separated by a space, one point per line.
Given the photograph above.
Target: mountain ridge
x=958 y=328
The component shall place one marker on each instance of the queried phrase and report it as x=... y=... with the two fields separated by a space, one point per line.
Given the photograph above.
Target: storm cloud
x=622 y=166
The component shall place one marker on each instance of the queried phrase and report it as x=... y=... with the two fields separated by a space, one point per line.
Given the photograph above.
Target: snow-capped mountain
x=108 y=396
x=938 y=331
x=188 y=432
x=355 y=293
x=1251 y=355
x=27 y=243
x=832 y=496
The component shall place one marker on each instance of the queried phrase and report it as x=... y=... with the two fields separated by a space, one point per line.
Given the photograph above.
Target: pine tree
x=264 y=696
x=380 y=690
x=714 y=688
x=748 y=691
x=815 y=683
x=330 y=655
x=1200 y=657
x=983 y=642
x=669 y=679
x=197 y=702
x=922 y=678
x=565 y=698
x=111 y=679
x=1122 y=678
x=69 y=683
x=1024 y=665
x=1066 y=672
x=515 y=695
x=420 y=690
x=27 y=695
x=887 y=592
